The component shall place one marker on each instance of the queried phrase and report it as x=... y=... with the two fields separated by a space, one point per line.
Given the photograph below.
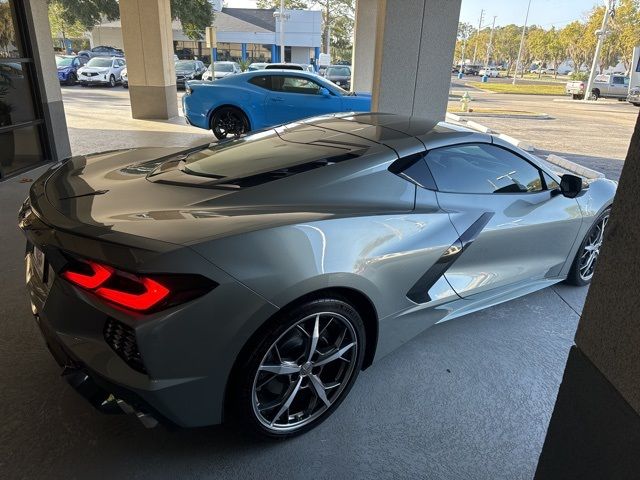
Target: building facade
x=242 y=34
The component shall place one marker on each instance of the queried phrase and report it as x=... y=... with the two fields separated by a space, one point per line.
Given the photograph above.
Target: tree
x=626 y=23
x=288 y=4
x=7 y=34
x=555 y=49
x=465 y=30
x=59 y=25
x=507 y=45
x=571 y=39
x=194 y=15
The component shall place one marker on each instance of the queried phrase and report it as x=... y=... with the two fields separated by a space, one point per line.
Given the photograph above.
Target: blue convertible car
x=237 y=104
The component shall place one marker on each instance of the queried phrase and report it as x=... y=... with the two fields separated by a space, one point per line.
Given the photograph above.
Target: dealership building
x=242 y=34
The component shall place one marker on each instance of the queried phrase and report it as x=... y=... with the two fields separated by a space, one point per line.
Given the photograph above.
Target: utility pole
x=493 y=27
x=281 y=16
x=327 y=29
x=524 y=31
x=602 y=34
x=475 y=50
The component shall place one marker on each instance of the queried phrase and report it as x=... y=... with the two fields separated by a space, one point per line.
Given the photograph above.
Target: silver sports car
x=253 y=279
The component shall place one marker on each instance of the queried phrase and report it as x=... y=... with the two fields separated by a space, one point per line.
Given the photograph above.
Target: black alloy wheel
x=229 y=122
x=298 y=373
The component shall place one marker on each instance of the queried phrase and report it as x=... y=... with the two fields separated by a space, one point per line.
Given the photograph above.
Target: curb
x=574 y=167
x=518 y=143
x=590 y=102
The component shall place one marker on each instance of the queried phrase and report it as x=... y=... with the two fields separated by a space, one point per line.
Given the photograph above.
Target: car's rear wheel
x=584 y=263
x=71 y=79
x=229 y=122
x=298 y=372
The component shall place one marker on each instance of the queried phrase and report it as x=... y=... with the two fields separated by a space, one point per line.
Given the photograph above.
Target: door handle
x=277 y=99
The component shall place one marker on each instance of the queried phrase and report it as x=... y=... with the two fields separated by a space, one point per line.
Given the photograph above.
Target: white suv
x=492 y=72
x=102 y=71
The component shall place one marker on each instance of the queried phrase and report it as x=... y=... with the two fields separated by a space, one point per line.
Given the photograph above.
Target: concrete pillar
x=413 y=42
x=39 y=32
x=148 y=46
x=244 y=51
x=364 y=53
x=595 y=427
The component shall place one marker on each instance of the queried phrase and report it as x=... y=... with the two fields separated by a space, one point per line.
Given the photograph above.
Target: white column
x=413 y=47
x=148 y=47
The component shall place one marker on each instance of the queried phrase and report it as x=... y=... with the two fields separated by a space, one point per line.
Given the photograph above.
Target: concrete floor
x=470 y=398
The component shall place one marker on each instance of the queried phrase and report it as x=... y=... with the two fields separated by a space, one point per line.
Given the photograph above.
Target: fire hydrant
x=464 y=102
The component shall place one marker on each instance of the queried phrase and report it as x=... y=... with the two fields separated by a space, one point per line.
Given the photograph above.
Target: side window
x=299 y=85
x=262 y=81
x=618 y=80
x=482 y=168
x=551 y=183
x=414 y=169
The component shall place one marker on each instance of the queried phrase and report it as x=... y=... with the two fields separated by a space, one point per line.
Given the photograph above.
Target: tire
x=229 y=122
x=592 y=242
x=595 y=94
x=71 y=79
x=112 y=81
x=84 y=84
x=575 y=96
x=635 y=104
x=125 y=85
x=301 y=393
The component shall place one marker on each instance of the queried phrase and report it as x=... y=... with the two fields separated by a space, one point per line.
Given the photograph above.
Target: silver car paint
x=354 y=226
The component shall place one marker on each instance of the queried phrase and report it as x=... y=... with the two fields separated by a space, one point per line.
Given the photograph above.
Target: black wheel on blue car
x=584 y=264
x=228 y=122
x=297 y=370
x=71 y=79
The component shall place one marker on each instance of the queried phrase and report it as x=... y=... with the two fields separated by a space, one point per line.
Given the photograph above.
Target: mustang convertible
x=255 y=100
x=252 y=280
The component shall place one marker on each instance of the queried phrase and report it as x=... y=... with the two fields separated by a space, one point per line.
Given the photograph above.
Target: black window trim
x=540 y=170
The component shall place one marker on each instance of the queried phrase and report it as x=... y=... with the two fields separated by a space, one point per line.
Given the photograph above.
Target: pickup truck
x=604 y=86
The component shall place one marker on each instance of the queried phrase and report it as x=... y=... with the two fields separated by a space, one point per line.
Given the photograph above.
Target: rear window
x=273 y=154
x=338 y=72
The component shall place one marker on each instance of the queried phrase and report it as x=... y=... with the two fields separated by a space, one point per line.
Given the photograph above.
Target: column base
x=150 y=102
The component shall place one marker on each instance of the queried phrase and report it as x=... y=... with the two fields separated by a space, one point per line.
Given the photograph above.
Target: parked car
x=471 y=69
x=340 y=75
x=249 y=101
x=68 y=66
x=183 y=54
x=189 y=70
x=101 y=71
x=251 y=281
x=284 y=66
x=221 y=70
x=492 y=72
x=634 y=96
x=124 y=77
x=257 y=66
x=101 y=51
x=604 y=86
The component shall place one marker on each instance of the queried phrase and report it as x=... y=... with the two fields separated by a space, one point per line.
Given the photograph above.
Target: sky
x=546 y=13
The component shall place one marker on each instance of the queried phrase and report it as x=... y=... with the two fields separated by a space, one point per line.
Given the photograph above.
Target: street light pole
x=602 y=33
x=524 y=30
x=282 y=59
x=493 y=27
x=475 y=50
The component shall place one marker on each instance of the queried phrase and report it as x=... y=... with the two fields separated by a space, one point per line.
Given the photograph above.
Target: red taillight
x=88 y=274
x=127 y=290
x=153 y=294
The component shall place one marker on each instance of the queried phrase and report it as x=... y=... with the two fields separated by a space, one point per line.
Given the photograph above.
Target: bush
x=582 y=76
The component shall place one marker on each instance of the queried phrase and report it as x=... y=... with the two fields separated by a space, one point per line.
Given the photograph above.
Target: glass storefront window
x=19 y=149
x=10 y=46
x=257 y=52
x=229 y=51
x=16 y=103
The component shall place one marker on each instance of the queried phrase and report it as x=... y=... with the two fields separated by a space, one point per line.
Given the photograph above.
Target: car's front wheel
x=71 y=79
x=229 y=122
x=584 y=263
x=298 y=371
x=112 y=81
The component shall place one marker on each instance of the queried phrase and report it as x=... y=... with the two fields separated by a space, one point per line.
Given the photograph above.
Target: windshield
x=338 y=72
x=223 y=67
x=99 y=62
x=64 y=61
x=185 y=65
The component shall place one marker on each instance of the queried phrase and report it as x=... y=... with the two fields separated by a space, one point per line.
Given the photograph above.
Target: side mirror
x=325 y=92
x=570 y=185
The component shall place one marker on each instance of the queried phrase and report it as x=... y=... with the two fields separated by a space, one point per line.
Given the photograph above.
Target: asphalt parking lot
x=470 y=398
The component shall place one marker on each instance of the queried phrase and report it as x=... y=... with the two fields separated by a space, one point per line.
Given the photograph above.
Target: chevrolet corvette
x=251 y=281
